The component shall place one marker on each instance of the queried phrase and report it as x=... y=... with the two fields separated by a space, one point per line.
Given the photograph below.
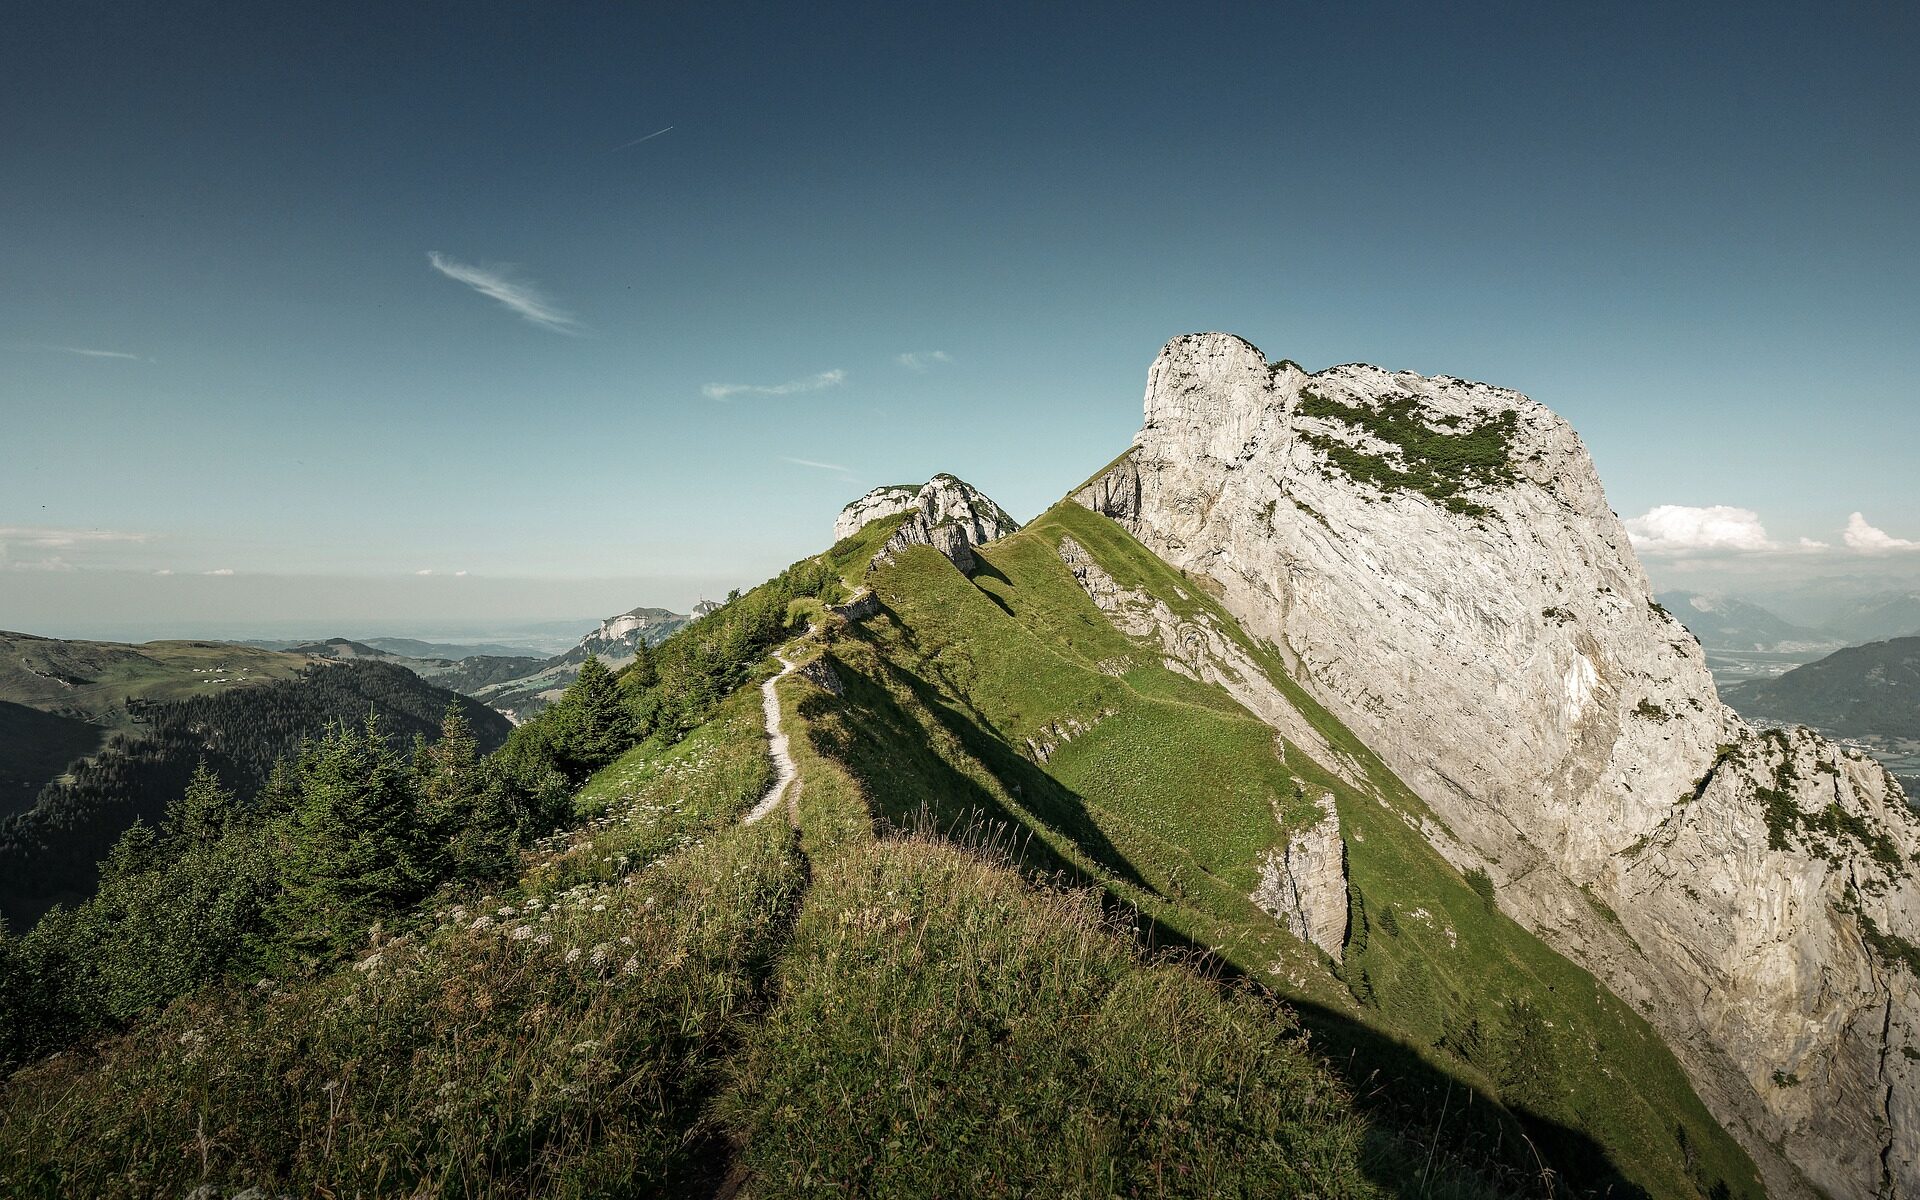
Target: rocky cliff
x=946 y=513
x=1436 y=561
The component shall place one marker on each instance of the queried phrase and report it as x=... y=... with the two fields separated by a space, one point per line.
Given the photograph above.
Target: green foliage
x=591 y=725
x=1482 y=885
x=1443 y=465
x=1893 y=949
x=48 y=852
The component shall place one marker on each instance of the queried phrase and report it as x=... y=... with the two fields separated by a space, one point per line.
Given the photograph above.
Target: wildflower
x=600 y=953
x=522 y=932
x=573 y=954
x=632 y=965
x=505 y=910
x=482 y=922
x=545 y=939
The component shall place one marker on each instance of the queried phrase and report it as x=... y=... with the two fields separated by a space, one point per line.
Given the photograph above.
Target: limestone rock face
x=1305 y=883
x=1436 y=562
x=941 y=500
x=948 y=514
x=878 y=503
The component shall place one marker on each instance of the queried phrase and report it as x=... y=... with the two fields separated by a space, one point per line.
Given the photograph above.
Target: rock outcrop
x=880 y=502
x=1436 y=562
x=947 y=513
x=1304 y=884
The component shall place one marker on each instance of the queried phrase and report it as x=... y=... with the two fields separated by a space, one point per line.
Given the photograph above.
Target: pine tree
x=593 y=725
x=201 y=815
x=357 y=846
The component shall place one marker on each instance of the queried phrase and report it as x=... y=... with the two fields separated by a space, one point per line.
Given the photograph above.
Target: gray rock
x=1489 y=632
x=1304 y=884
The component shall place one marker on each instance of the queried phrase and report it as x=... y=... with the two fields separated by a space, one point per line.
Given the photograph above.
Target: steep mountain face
x=1729 y=623
x=1861 y=691
x=1436 y=561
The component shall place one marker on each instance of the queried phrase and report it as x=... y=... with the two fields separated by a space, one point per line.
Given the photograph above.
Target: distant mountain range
x=1729 y=623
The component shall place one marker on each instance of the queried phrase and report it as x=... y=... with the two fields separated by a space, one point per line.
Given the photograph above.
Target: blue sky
x=1692 y=232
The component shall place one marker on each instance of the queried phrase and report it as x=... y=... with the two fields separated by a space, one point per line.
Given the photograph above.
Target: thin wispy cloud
x=818 y=466
x=87 y=352
x=812 y=383
x=424 y=571
x=37 y=541
x=635 y=142
x=521 y=298
x=220 y=571
x=920 y=360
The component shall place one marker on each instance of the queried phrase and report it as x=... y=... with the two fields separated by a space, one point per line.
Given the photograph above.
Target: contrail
x=648 y=138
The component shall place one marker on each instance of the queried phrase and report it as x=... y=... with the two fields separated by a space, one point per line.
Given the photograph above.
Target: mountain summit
x=1436 y=562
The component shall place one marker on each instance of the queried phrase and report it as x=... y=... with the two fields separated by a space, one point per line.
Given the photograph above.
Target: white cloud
x=1684 y=529
x=459 y=574
x=84 y=352
x=522 y=298
x=921 y=360
x=221 y=571
x=812 y=383
x=820 y=466
x=56 y=563
x=1868 y=540
x=424 y=571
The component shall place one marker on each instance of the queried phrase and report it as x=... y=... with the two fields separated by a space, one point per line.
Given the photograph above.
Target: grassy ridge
x=1164 y=804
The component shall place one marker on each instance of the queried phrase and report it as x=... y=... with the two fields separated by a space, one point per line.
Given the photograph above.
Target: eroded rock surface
x=1304 y=883
x=1435 y=560
x=947 y=513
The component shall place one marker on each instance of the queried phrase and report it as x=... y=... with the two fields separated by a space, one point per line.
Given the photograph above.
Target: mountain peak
x=943 y=499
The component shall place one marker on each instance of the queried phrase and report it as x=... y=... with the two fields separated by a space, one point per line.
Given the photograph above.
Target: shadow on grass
x=1434 y=1132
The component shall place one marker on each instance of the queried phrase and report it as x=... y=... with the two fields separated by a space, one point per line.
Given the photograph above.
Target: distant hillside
x=414 y=648
x=38 y=746
x=1727 y=623
x=467 y=675
x=614 y=643
x=48 y=850
x=1877 y=618
x=1861 y=691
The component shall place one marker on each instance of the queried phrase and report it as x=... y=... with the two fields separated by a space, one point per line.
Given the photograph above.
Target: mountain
x=1860 y=691
x=1728 y=623
x=1435 y=561
x=1315 y=802
x=95 y=735
x=1879 y=617
x=613 y=643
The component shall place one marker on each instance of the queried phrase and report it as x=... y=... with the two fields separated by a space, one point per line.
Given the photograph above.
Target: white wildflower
x=573 y=954
x=632 y=965
x=522 y=932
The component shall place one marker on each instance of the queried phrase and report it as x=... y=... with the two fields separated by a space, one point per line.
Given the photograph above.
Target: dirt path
x=784 y=770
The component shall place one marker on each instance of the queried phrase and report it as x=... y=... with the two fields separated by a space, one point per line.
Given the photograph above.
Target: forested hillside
x=48 y=851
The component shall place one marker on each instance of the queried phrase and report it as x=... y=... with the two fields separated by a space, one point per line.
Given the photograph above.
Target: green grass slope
x=1168 y=794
